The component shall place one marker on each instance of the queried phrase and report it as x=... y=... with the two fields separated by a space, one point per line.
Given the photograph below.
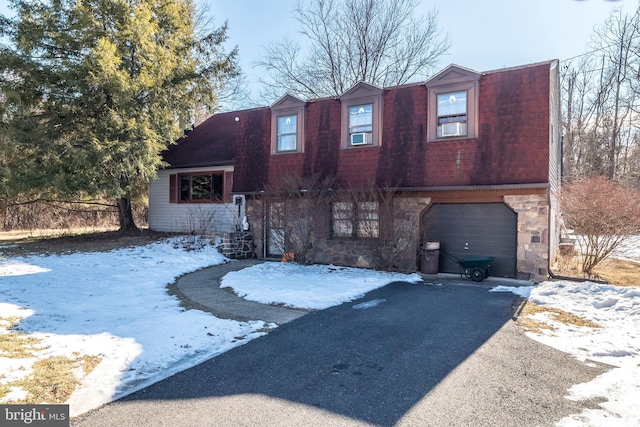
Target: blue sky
x=485 y=35
x=489 y=35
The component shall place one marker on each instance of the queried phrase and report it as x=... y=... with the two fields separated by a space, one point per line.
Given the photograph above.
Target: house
x=194 y=193
x=468 y=159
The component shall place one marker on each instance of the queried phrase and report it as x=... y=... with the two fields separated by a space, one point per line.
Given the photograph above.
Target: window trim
x=453 y=79
x=360 y=95
x=472 y=116
x=279 y=134
x=288 y=106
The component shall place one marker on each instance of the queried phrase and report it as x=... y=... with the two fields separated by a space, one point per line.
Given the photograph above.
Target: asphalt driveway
x=425 y=355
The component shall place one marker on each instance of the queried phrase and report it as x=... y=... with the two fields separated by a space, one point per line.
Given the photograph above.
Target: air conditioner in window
x=360 y=138
x=452 y=129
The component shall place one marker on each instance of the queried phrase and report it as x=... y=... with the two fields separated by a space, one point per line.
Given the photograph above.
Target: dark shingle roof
x=211 y=143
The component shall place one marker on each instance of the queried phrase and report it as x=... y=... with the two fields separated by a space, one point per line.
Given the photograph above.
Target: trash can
x=430 y=258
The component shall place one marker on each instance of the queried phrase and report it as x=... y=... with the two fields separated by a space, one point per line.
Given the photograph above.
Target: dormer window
x=361 y=116
x=287 y=125
x=453 y=104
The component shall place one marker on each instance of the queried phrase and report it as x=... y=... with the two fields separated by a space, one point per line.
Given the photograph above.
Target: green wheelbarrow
x=474 y=268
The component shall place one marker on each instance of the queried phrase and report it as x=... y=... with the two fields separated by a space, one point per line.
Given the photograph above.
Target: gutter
x=445 y=188
x=202 y=165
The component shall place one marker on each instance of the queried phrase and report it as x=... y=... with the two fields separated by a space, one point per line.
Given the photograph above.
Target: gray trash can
x=430 y=258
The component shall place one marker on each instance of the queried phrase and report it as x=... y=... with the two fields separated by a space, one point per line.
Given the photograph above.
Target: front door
x=275 y=229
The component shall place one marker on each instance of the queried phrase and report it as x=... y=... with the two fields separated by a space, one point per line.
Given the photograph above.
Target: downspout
x=576 y=279
x=264 y=229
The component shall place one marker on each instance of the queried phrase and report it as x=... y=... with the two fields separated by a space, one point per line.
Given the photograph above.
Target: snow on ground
x=629 y=249
x=314 y=286
x=115 y=305
x=617 y=342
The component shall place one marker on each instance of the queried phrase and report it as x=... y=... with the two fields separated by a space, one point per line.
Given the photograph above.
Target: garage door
x=474 y=230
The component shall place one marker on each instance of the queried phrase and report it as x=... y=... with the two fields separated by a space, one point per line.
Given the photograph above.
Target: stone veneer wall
x=533 y=235
x=238 y=245
x=397 y=248
x=254 y=216
x=532 y=246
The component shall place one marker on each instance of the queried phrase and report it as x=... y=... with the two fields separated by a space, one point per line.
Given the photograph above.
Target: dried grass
x=52 y=380
x=615 y=271
x=4 y=388
x=89 y=363
x=619 y=272
x=15 y=345
x=524 y=309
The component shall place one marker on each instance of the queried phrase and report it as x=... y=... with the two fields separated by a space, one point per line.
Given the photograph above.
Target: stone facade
x=396 y=249
x=533 y=235
x=399 y=243
x=238 y=245
x=254 y=213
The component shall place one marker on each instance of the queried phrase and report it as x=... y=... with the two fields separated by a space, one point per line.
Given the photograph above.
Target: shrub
x=602 y=213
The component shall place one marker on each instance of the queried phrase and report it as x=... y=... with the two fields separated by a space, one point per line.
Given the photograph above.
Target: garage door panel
x=474 y=230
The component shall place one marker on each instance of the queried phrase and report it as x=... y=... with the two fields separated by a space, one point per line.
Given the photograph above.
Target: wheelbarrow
x=474 y=268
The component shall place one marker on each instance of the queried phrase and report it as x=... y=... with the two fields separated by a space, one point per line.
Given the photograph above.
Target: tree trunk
x=125 y=215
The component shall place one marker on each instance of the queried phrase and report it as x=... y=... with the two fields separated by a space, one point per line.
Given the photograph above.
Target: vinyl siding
x=209 y=218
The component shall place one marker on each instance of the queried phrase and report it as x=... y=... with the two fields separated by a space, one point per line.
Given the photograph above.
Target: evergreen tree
x=94 y=90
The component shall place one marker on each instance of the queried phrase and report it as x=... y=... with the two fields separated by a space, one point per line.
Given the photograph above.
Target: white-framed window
x=287 y=133
x=452 y=114
x=361 y=124
x=287 y=125
x=453 y=99
x=361 y=116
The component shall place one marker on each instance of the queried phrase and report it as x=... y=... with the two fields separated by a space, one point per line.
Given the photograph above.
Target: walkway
x=201 y=290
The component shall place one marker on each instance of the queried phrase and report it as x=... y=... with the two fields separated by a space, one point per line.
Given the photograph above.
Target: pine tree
x=94 y=90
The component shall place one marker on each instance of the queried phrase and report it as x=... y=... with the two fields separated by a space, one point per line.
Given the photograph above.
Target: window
x=368 y=219
x=287 y=125
x=355 y=219
x=342 y=216
x=199 y=188
x=287 y=133
x=452 y=114
x=453 y=104
x=361 y=116
x=361 y=124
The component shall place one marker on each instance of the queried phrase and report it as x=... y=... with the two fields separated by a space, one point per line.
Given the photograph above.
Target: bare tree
x=603 y=213
x=383 y=217
x=600 y=94
x=295 y=203
x=382 y=42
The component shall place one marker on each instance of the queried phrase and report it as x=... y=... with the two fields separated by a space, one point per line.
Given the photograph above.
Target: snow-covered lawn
x=617 y=342
x=115 y=305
